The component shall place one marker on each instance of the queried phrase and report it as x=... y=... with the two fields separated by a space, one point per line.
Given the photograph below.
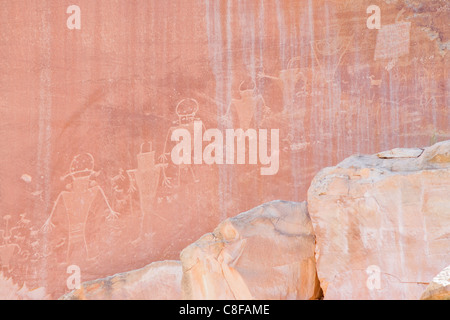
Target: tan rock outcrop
x=439 y=288
x=265 y=253
x=382 y=225
x=157 y=281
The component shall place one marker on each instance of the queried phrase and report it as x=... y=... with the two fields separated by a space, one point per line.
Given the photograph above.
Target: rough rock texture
x=265 y=253
x=11 y=291
x=157 y=281
x=310 y=68
x=382 y=225
x=439 y=288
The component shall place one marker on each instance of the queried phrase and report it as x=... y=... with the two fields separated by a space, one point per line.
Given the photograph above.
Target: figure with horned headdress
x=81 y=202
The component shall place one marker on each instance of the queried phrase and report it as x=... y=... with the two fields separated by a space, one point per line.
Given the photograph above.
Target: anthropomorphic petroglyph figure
x=250 y=108
x=328 y=54
x=79 y=203
x=289 y=80
x=186 y=111
x=145 y=178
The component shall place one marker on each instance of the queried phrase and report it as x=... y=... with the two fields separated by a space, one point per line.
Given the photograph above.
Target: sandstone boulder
x=157 y=281
x=265 y=253
x=382 y=225
x=439 y=288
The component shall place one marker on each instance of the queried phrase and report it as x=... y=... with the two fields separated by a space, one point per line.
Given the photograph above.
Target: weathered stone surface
x=439 y=288
x=265 y=253
x=310 y=68
x=157 y=281
x=11 y=291
x=382 y=219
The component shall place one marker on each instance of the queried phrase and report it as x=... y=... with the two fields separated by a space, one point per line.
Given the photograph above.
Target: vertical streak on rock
x=384 y=111
x=261 y=35
x=102 y=40
x=105 y=63
x=431 y=101
x=394 y=102
x=250 y=18
x=153 y=29
x=247 y=23
x=296 y=119
x=287 y=52
x=87 y=46
x=227 y=175
x=221 y=64
x=4 y=89
x=355 y=84
x=361 y=85
x=447 y=92
x=282 y=35
x=327 y=64
x=303 y=129
x=313 y=113
x=136 y=53
x=45 y=114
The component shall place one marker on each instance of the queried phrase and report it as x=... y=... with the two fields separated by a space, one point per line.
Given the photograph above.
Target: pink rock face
x=11 y=291
x=439 y=288
x=87 y=111
x=157 y=281
x=382 y=225
x=265 y=253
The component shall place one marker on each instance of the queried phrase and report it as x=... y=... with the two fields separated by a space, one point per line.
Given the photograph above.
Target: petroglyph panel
x=90 y=110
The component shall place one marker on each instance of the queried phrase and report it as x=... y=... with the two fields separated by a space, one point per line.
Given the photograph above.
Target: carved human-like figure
x=288 y=80
x=145 y=179
x=186 y=111
x=250 y=108
x=328 y=54
x=83 y=200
